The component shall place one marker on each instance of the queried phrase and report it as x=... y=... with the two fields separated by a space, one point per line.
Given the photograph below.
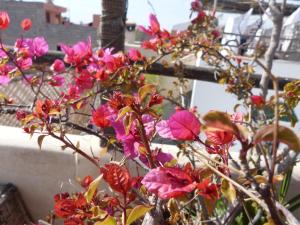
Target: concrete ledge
x=40 y=174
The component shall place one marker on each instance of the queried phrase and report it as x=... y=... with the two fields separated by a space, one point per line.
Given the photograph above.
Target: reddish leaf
x=73 y=221
x=219 y=137
x=257 y=100
x=64 y=208
x=117 y=177
x=208 y=190
x=86 y=181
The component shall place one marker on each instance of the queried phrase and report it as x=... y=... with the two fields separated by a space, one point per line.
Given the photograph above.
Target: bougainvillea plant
x=210 y=186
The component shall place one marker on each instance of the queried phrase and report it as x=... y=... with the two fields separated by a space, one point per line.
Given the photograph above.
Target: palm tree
x=113 y=23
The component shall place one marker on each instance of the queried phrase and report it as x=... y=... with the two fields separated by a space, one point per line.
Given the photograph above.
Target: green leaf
x=285 y=135
x=228 y=191
x=137 y=212
x=40 y=140
x=145 y=90
x=220 y=121
x=108 y=221
x=285 y=185
x=92 y=188
x=123 y=111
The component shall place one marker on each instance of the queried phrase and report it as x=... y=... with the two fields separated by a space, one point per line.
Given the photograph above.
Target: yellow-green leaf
x=219 y=121
x=123 y=111
x=228 y=191
x=108 y=221
x=128 y=122
x=138 y=212
x=54 y=112
x=2 y=96
x=27 y=119
x=98 y=213
x=285 y=135
x=145 y=90
x=92 y=188
x=40 y=140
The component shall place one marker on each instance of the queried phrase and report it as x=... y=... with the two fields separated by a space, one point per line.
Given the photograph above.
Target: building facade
x=47 y=21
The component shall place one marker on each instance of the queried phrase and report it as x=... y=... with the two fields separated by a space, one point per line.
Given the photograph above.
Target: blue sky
x=169 y=12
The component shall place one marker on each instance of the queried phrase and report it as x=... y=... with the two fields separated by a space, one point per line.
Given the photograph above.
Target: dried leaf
x=145 y=90
x=285 y=135
x=123 y=111
x=40 y=140
x=219 y=121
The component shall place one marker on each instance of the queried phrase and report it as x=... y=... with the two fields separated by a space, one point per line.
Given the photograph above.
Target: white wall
x=39 y=174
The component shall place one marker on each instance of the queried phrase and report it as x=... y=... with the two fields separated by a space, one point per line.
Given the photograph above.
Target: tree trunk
x=277 y=19
x=112 y=24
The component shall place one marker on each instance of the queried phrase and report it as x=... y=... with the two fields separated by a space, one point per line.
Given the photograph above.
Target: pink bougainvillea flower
x=58 y=66
x=4 y=73
x=84 y=81
x=163 y=129
x=160 y=158
x=135 y=55
x=131 y=142
x=152 y=44
x=130 y=145
x=24 y=63
x=57 y=81
x=257 y=100
x=154 y=27
x=100 y=116
x=39 y=46
x=4 y=80
x=154 y=24
x=184 y=125
x=4 y=20
x=113 y=62
x=32 y=47
x=3 y=54
x=168 y=182
x=78 y=52
x=26 y=24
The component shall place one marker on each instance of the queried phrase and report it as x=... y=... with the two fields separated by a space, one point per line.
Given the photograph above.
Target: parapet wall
x=40 y=174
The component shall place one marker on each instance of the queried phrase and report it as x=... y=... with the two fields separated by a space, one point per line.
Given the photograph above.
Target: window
x=48 y=17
